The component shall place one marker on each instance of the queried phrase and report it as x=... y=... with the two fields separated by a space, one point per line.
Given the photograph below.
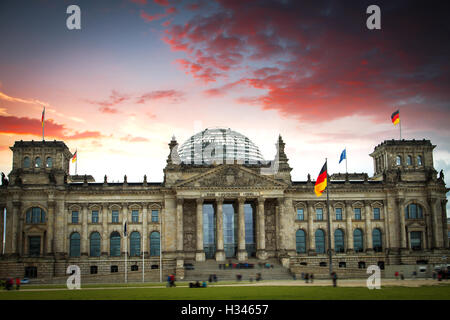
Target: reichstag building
x=219 y=201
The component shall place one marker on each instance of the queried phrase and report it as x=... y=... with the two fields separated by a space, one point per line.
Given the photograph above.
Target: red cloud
x=108 y=110
x=162 y=2
x=114 y=99
x=318 y=62
x=130 y=138
x=158 y=16
x=172 y=95
x=28 y=126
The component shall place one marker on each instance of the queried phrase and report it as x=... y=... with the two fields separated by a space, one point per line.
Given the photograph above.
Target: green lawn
x=237 y=293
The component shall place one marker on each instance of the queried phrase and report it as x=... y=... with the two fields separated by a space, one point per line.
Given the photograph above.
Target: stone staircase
x=202 y=270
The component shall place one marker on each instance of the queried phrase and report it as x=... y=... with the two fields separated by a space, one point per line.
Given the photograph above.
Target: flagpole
x=143 y=261
x=346 y=171
x=329 y=219
x=76 y=162
x=43 y=124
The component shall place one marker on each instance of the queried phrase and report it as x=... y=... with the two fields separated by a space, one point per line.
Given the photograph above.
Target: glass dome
x=219 y=145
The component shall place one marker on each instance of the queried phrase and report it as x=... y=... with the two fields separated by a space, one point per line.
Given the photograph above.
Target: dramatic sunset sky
x=140 y=71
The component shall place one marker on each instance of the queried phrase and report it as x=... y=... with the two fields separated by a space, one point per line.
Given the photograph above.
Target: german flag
x=43 y=117
x=74 y=158
x=321 y=182
x=395 y=117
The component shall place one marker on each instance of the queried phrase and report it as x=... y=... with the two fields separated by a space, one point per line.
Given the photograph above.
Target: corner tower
x=39 y=162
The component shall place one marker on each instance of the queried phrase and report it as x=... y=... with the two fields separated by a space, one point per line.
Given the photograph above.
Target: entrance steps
x=202 y=270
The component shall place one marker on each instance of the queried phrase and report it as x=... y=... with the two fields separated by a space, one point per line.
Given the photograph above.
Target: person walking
x=312 y=277
x=334 y=277
x=396 y=275
x=17 y=283
x=306 y=278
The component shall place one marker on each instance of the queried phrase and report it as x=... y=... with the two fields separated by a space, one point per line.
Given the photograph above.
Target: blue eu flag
x=343 y=156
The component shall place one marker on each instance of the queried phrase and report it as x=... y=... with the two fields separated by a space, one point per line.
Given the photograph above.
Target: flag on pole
x=74 y=158
x=343 y=156
x=395 y=117
x=321 y=182
x=43 y=117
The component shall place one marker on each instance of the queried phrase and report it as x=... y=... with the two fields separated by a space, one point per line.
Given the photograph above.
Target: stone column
x=220 y=253
x=84 y=230
x=444 y=221
x=15 y=226
x=261 y=230
x=401 y=213
x=349 y=231
x=58 y=232
x=180 y=202
x=125 y=244
x=332 y=226
x=50 y=223
x=437 y=223
x=312 y=243
x=242 y=253
x=368 y=226
x=105 y=235
x=200 y=253
x=20 y=224
x=145 y=229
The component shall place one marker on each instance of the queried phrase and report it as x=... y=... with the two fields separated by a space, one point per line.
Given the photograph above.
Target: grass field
x=232 y=293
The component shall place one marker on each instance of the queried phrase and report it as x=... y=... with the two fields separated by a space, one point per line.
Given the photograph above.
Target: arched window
x=409 y=160
x=398 y=160
x=35 y=215
x=26 y=162
x=154 y=244
x=376 y=239
x=358 y=243
x=300 y=241
x=413 y=211
x=419 y=160
x=94 y=244
x=114 y=244
x=37 y=162
x=320 y=241
x=49 y=162
x=74 y=245
x=339 y=241
x=135 y=244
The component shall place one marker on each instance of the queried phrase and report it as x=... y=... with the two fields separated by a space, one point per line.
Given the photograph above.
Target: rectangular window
x=319 y=214
x=94 y=269
x=376 y=214
x=416 y=240
x=154 y=215
x=114 y=269
x=94 y=216
x=357 y=213
x=338 y=213
x=300 y=215
x=74 y=216
x=31 y=272
x=115 y=216
x=34 y=246
x=135 y=216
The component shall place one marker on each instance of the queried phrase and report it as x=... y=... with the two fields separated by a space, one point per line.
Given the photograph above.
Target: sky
x=140 y=71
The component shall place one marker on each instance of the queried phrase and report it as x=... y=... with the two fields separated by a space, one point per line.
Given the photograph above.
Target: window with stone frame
x=300 y=241
x=75 y=217
x=115 y=216
x=94 y=216
x=338 y=214
x=135 y=216
x=319 y=214
x=300 y=214
x=93 y=269
x=155 y=215
x=376 y=214
x=114 y=269
x=357 y=212
x=413 y=211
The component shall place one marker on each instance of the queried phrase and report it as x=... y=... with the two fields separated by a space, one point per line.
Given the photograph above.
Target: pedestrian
x=17 y=283
x=306 y=278
x=334 y=277
x=434 y=275
x=402 y=276
x=439 y=276
x=312 y=277
x=303 y=276
x=9 y=283
x=396 y=275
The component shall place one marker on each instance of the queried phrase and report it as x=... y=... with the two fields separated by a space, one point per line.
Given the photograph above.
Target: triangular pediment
x=231 y=176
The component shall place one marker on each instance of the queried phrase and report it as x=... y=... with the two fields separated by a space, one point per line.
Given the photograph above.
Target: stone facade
x=53 y=218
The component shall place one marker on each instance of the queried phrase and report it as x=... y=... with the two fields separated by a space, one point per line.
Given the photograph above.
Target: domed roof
x=219 y=145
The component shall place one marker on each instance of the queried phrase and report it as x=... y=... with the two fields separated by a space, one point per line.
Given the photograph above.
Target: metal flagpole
x=43 y=124
x=76 y=162
x=346 y=171
x=143 y=261
x=126 y=251
x=329 y=219
x=160 y=247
